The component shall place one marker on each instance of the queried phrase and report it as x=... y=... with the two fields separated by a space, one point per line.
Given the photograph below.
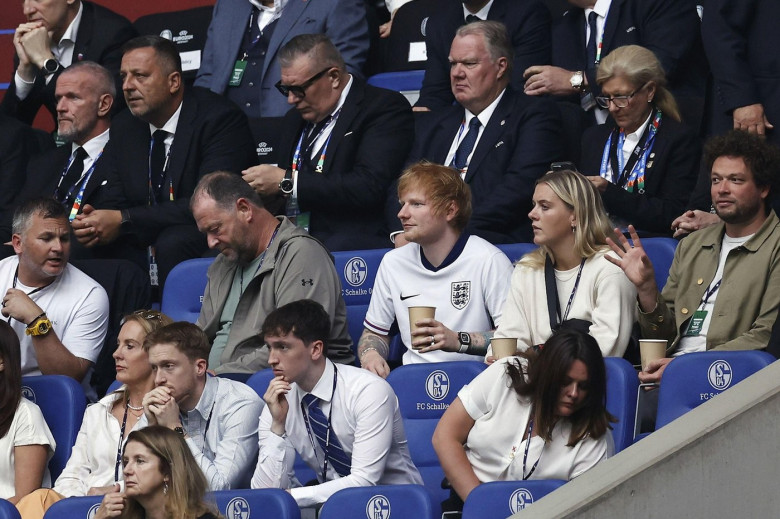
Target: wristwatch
x=39 y=326
x=286 y=184
x=465 y=341
x=577 y=81
x=50 y=66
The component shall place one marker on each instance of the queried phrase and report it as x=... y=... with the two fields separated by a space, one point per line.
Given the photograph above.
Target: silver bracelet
x=367 y=350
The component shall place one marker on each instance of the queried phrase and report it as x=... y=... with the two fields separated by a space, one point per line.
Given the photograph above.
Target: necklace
x=132 y=407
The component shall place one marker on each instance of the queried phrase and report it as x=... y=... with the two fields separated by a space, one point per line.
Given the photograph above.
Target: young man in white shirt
x=343 y=421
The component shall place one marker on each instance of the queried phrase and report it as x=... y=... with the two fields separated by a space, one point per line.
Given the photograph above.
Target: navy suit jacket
x=669 y=28
x=212 y=134
x=528 y=24
x=741 y=39
x=343 y=21
x=672 y=170
x=367 y=149
x=100 y=38
x=515 y=149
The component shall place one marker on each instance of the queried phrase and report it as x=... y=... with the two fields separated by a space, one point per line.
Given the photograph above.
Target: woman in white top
x=95 y=463
x=535 y=416
x=26 y=444
x=567 y=282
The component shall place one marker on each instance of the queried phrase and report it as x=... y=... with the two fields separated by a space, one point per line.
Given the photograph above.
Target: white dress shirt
x=170 y=127
x=222 y=432
x=368 y=424
x=484 y=117
x=601 y=7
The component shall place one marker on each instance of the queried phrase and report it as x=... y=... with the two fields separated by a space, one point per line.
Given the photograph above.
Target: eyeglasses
x=619 y=101
x=299 y=90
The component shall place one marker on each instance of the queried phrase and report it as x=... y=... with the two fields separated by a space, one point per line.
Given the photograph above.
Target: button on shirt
x=224 y=445
x=367 y=422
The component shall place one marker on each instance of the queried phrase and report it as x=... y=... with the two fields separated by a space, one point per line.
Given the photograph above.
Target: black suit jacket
x=100 y=37
x=528 y=24
x=367 y=149
x=212 y=134
x=669 y=28
x=515 y=149
x=671 y=174
x=741 y=39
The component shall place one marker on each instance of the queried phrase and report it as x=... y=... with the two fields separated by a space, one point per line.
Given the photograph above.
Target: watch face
x=44 y=328
x=286 y=185
x=464 y=338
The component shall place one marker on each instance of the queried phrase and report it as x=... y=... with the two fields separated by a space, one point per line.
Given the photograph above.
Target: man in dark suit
x=243 y=36
x=741 y=39
x=528 y=24
x=78 y=173
x=169 y=139
x=590 y=31
x=58 y=33
x=501 y=140
x=342 y=146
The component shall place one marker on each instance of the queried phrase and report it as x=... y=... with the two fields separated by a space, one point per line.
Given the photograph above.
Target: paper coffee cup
x=417 y=313
x=503 y=347
x=650 y=350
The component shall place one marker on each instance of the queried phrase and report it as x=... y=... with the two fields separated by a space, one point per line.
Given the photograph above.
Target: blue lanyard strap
x=631 y=174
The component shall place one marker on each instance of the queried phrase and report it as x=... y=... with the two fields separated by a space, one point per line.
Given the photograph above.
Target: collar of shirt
x=632 y=139
x=323 y=389
x=207 y=399
x=320 y=141
x=484 y=118
x=170 y=127
x=266 y=14
x=482 y=14
x=93 y=146
x=601 y=8
x=63 y=49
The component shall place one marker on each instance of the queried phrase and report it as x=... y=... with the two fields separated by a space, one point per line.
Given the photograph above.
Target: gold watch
x=40 y=326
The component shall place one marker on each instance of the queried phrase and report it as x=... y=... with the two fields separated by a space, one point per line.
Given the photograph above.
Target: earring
x=165 y=488
x=573 y=228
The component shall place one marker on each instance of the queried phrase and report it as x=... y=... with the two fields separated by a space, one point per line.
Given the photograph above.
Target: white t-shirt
x=27 y=428
x=495 y=446
x=604 y=296
x=468 y=293
x=690 y=344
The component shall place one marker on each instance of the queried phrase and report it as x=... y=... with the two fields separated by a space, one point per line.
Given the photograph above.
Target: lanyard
x=208 y=423
x=262 y=259
x=119 y=447
x=600 y=44
x=571 y=296
x=297 y=159
x=327 y=434
x=82 y=183
x=527 y=447
x=152 y=195
x=632 y=173
x=256 y=39
x=711 y=289
x=13 y=285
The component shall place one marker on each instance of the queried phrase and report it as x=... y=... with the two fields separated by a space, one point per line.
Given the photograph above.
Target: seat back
x=8 y=510
x=259 y=504
x=424 y=392
x=515 y=251
x=259 y=383
x=693 y=378
x=661 y=253
x=505 y=498
x=74 y=508
x=622 y=385
x=357 y=272
x=62 y=403
x=379 y=502
x=407 y=83
x=183 y=291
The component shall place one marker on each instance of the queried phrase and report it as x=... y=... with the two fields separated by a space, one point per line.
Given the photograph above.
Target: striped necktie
x=318 y=424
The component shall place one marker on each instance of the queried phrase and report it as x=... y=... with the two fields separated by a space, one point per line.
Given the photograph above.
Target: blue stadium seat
x=406 y=82
x=379 y=502
x=505 y=498
x=238 y=377
x=661 y=253
x=515 y=251
x=259 y=382
x=424 y=392
x=182 y=294
x=693 y=378
x=8 y=510
x=74 y=508
x=266 y=503
x=357 y=272
x=62 y=403
x=622 y=385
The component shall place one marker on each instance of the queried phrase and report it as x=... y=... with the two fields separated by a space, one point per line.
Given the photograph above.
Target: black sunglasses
x=299 y=90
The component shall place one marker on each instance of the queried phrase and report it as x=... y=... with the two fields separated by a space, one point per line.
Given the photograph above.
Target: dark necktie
x=157 y=163
x=591 y=48
x=461 y=157
x=314 y=133
x=73 y=175
x=339 y=460
x=473 y=18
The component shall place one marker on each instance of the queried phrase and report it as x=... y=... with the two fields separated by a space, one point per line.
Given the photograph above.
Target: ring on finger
x=433 y=340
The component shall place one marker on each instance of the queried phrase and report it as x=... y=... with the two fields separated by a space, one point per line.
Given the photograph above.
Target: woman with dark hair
x=534 y=416
x=644 y=162
x=94 y=465
x=26 y=444
x=568 y=282
x=162 y=480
